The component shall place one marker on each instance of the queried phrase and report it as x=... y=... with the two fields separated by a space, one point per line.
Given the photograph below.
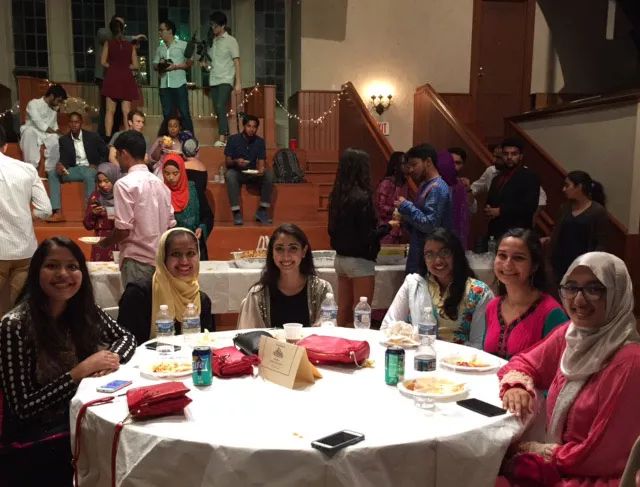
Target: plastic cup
x=116 y=257
x=292 y=332
x=111 y=212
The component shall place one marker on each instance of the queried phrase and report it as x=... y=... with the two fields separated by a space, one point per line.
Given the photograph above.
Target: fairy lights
x=321 y=118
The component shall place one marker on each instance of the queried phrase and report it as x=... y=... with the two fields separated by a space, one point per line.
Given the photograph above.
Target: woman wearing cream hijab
x=174 y=283
x=591 y=368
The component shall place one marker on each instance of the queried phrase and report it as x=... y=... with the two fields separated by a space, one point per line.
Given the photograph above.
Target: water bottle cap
x=363 y=299
x=164 y=307
x=330 y=295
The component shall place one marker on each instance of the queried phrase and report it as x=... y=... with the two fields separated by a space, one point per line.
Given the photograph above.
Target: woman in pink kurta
x=393 y=186
x=591 y=367
x=97 y=216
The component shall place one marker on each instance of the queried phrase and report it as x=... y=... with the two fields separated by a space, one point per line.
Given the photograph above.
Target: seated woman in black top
x=175 y=283
x=55 y=337
x=289 y=291
x=354 y=232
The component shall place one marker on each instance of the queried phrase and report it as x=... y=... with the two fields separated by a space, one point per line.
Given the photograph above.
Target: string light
x=321 y=118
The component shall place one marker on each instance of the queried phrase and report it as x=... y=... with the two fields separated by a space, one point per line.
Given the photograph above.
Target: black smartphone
x=337 y=441
x=481 y=407
x=153 y=345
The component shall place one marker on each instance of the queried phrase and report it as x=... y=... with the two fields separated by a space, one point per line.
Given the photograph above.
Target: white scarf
x=589 y=350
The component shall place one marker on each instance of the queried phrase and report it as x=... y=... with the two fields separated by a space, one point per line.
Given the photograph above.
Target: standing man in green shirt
x=225 y=73
x=172 y=65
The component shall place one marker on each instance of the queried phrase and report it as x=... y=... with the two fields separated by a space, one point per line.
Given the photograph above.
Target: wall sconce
x=380 y=103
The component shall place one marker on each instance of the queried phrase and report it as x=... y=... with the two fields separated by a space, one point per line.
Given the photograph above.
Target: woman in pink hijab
x=460 y=203
x=591 y=368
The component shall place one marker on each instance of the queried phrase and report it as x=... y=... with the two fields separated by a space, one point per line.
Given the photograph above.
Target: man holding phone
x=245 y=160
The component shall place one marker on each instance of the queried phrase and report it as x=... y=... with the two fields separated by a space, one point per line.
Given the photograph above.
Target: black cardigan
x=135 y=310
x=354 y=230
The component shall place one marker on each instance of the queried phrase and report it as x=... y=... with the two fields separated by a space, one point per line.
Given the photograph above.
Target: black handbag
x=249 y=342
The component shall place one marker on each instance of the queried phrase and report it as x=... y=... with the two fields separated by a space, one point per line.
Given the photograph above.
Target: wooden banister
x=359 y=129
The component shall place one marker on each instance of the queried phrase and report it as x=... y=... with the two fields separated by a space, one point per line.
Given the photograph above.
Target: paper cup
x=292 y=332
x=116 y=257
x=111 y=212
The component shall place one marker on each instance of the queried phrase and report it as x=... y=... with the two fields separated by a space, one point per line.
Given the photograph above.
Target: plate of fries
x=435 y=386
x=468 y=363
x=168 y=369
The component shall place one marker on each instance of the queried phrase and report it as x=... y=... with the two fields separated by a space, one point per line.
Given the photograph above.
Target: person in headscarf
x=591 y=367
x=174 y=283
x=461 y=208
x=184 y=196
x=197 y=174
x=99 y=215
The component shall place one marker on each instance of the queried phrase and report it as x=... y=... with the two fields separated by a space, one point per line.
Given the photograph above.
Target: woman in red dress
x=119 y=57
x=99 y=213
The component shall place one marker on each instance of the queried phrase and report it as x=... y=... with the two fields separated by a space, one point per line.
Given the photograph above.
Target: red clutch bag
x=230 y=362
x=144 y=402
x=326 y=350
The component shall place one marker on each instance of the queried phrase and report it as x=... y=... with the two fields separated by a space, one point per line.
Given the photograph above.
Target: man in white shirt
x=41 y=127
x=20 y=186
x=225 y=75
x=171 y=65
x=81 y=151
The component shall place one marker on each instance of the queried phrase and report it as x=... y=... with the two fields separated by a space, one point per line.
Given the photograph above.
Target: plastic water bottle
x=164 y=330
x=190 y=323
x=492 y=246
x=329 y=311
x=425 y=359
x=362 y=315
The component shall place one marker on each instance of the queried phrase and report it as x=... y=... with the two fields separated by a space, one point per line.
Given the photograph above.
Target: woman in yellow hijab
x=174 y=283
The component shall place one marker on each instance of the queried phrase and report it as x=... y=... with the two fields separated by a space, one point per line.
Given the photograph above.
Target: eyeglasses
x=443 y=254
x=590 y=292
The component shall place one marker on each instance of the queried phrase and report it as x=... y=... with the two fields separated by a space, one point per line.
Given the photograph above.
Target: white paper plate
x=402 y=387
x=491 y=364
x=404 y=345
x=251 y=171
x=147 y=369
x=91 y=240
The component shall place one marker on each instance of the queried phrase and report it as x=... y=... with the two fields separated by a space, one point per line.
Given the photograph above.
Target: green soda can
x=202 y=369
x=394 y=366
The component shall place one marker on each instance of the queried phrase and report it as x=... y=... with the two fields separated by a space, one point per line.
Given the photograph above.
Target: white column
x=109 y=10
x=154 y=38
x=244 y=27
x=7 y=62
x=60 y=39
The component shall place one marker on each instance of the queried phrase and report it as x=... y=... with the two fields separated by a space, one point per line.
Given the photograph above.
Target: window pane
x=136 y=18
x=87 y=17
x=270 y=41
x=30 y=51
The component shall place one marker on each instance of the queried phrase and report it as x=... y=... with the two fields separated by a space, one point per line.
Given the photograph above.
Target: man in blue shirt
x=433 y=207
x=245 y=160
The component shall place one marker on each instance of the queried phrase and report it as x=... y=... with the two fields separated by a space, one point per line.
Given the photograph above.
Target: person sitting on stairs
x=81 y=151
x=245 y=156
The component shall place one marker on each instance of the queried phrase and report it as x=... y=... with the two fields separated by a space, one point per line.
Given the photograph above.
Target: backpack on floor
x=286 y=167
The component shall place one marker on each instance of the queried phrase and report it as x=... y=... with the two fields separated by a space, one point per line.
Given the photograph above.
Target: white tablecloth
x=227 y=286
x=248 y=432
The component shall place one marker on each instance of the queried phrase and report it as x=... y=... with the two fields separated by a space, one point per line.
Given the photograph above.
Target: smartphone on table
x=481 y=407
x=337 y=441
x=114 y=385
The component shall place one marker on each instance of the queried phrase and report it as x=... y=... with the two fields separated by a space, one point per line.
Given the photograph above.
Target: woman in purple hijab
x=461 y=210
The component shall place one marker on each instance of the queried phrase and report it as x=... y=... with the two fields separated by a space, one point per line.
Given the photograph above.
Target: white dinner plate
x=251 y=171
x=402 y=387
x=147 y=369
x=91 y=240
x=406 y=345
x=449 y=363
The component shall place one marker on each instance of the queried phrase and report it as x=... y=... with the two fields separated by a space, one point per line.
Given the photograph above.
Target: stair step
x=322 y=166
x=320 y=177
x=325 y=189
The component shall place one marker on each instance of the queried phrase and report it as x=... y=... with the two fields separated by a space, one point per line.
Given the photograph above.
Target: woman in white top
x=447 y=284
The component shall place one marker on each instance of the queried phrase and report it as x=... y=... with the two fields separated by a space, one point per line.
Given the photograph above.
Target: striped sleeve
x=120 y=341
x=24 y=397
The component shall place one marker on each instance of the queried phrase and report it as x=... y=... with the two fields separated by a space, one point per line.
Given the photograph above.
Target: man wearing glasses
x=225 y=73
x=172 y=65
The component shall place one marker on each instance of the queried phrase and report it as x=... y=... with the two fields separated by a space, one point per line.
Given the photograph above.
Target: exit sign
x=384 y=127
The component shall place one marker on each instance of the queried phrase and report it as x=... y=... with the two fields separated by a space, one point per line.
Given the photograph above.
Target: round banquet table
x=250 y=432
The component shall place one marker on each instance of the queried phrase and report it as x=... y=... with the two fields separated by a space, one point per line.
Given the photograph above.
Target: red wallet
x=231 y=362
x=327 y=350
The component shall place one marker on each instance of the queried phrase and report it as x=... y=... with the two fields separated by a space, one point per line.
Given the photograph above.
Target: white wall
x=604 y=144
x=399 y=45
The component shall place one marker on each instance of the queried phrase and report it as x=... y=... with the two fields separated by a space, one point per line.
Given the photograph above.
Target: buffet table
x=248 y=431
x=227 y=285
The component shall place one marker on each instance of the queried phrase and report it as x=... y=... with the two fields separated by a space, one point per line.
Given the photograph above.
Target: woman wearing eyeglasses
x=591 y=367
x=524 y=313
x=447 y=284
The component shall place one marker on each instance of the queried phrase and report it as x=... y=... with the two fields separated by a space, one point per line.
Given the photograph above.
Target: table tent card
x=284 y=363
